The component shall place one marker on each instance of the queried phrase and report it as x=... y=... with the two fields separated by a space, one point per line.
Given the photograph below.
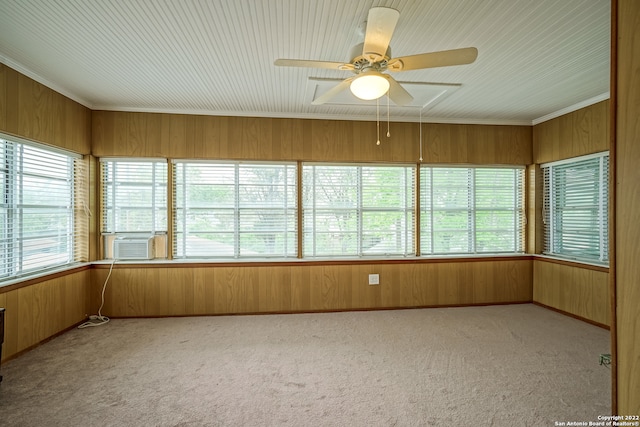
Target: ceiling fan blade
x=312 y=64
x=380 y=25
x=397 y=93
x=443 y=58
x=332 y=92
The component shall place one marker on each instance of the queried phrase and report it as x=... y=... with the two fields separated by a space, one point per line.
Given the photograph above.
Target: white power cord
x=99 y=319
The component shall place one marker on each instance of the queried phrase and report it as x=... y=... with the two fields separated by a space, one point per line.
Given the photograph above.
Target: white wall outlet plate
x=374 y=279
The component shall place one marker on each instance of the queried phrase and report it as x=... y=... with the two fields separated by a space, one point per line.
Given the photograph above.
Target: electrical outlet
x=374 y=279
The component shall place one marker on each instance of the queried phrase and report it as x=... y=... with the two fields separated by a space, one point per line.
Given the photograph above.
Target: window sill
x=572 y=262
x=42 y=276
x=261 y=262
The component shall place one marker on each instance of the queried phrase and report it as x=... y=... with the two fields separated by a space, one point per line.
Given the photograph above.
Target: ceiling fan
x=369 y=61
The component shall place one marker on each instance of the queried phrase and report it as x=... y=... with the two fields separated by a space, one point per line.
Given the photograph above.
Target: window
x=42 y=212
x=576 y=208
x=234 y=209
x=471 y=210
x=358 y=210
x=134 y=196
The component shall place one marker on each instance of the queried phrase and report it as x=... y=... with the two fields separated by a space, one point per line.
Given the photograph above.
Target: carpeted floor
x=512 y=365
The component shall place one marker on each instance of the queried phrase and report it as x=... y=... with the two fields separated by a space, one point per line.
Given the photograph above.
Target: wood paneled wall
x=249 y=138
x=627 y=148
x=563 y=287
x=33 y=111
x=38 y=311
x=581 y=132
x=184 y=289
x=175 y=290
x=583 y=292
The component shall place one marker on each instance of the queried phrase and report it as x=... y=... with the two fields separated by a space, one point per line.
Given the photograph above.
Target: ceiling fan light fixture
x=369 y=85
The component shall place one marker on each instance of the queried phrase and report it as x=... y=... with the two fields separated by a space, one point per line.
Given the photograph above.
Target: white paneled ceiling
x=535 y=58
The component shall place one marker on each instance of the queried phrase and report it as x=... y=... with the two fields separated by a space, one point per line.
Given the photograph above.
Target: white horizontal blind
x=446 y=205
x=82 y=214
x=471 y=210
x=37 y=210
x=134 y=196
x=499 y=210
x=233 y=209
x=576 y=208
x=358 y=210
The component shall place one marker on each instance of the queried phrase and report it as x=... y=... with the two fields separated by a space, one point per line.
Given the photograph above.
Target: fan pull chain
x=378 y=119
x=388 y=127
x=420 y=134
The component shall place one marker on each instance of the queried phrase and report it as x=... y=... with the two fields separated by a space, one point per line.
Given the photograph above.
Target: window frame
x=411 y=213
x=360 y=209
x=517 y=210
x=109 y=189
x=44 y=162
x=238 y=209
x=551 y=233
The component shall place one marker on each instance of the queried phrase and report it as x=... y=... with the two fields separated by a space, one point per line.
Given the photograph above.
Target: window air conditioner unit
x=125 y=248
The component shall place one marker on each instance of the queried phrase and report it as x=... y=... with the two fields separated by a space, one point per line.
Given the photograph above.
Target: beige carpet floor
x=511 y=365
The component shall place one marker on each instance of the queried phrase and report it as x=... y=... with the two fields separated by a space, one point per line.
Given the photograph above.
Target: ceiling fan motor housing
x=362 y=63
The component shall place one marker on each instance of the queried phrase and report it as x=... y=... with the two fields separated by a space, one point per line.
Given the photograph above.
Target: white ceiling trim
x=320 y=116
x=369 y=117
x=572 y=108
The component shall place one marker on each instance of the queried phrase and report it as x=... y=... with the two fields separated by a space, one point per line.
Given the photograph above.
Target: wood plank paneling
x=330 y=140
x=274 y=290
x=288 y=134
x=9 y=300
x=4 y=98
x=33 y=111
x=38 y=311
x=442 y=143
x=12 y=99
x=476 y=144
x=627 y=207
x=177 y=290
x=35 y=121
x=581 y=132
x=572 y=289
x=252 y=138
x=301 y=288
